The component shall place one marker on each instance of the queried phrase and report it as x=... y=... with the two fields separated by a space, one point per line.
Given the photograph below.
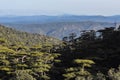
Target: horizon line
x=15 y=15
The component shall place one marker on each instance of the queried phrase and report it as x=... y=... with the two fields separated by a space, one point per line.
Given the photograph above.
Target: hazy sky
x=59 y=7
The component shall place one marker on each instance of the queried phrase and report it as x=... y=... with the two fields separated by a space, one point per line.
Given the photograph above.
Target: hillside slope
x=23 y=38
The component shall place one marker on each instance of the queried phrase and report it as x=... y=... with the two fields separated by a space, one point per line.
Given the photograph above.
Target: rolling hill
x=13 y=36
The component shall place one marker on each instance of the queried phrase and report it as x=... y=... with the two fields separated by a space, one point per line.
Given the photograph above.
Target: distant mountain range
x=64 y=18
x=59 y=26
x=61 y=29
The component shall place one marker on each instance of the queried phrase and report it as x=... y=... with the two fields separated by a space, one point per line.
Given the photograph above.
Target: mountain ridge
x=63 y=18
x=61 y=29
x=59 y=26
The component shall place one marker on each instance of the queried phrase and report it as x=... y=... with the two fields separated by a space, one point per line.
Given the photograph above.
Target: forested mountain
x=87 y=52
x=60 y=29
x=59 y=26
x=25 y=56
x=93 y=55
x=17 y=37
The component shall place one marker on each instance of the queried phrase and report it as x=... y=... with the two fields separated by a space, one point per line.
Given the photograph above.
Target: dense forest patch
x=93 y=55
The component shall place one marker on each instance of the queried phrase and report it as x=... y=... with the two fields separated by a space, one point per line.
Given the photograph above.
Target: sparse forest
x=94 y=55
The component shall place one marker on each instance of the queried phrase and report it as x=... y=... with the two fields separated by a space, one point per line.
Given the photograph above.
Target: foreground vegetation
x=94 y=55
x=25 y=56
